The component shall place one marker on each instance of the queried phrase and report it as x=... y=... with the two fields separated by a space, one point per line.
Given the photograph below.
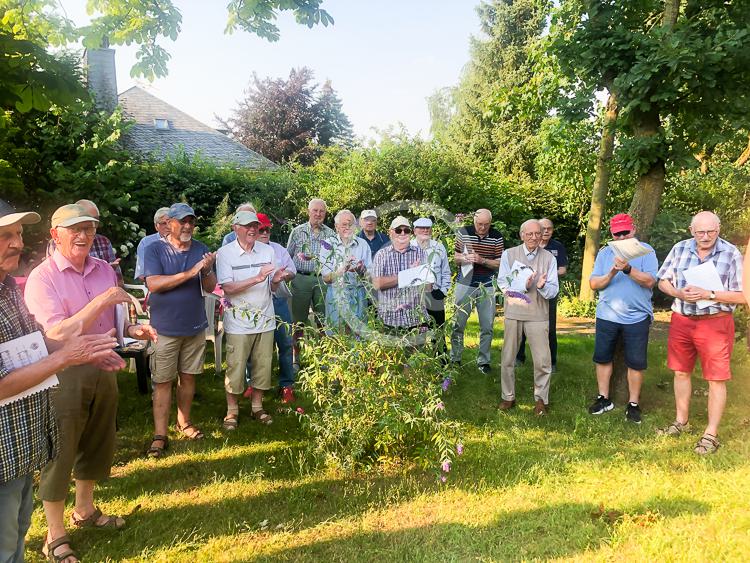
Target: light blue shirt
x=624 y=301
x=140 y=253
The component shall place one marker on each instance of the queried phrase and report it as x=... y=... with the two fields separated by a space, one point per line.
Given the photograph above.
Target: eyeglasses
x=702 y=234
x=533 y=235
x=619 y=234
x=402 y=230
x=264 y=230
x=163 y=223
x=187 y=221
x=88 y=231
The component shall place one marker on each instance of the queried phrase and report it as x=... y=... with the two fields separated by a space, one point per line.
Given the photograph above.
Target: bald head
x=705 y=228
x=482 y=221
x=706 y=217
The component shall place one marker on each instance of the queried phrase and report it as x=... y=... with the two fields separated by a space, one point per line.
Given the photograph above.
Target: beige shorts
x=255 y=348
x=171 y=355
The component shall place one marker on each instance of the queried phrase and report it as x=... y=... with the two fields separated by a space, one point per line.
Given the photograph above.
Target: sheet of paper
x=707 y=277
x=466 y=268
x=418 y=275
x=21 y=352
x=121 y=315
x=628 y=248
x=519 y=275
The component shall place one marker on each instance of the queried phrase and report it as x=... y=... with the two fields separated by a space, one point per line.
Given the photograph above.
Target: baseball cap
x=69 y=215
x=621 y=222
x=400 y=221
x=423 y=222
x=9 y=216
x=368 y=213
x=245 y=218
x=264 y=220
x=180 y=210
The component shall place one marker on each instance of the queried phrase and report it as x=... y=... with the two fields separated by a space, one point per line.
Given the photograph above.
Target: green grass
x=567 y=486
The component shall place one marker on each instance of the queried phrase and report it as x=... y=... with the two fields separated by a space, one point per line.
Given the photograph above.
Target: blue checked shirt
x=28 y=430
x=684 y=255
x=304 y=246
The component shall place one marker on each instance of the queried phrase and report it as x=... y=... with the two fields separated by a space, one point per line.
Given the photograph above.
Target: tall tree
x=287 y=119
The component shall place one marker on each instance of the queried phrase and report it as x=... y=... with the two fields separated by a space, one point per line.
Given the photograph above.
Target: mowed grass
x=566 y=486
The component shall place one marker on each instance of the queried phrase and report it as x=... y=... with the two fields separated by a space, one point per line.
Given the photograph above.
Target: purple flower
x=440 y=406
x=226 y=303
x=443 y=478
x=325 y=244
x=518 y=295
x=446 y=467
x=446 y=383
x=460 y=448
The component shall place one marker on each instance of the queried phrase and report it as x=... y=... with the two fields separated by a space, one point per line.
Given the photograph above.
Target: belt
x=709 y=316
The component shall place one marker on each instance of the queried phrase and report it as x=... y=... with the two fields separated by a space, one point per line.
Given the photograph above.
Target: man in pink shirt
x=68 y=288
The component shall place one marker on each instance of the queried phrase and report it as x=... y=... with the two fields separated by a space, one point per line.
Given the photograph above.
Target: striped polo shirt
x=490 y=247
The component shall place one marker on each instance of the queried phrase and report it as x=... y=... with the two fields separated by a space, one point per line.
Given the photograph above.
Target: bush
x=570 y=305
x=376 y=405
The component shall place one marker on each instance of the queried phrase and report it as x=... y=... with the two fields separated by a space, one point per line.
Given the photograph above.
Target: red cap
x=264 y=220
x=617 y=224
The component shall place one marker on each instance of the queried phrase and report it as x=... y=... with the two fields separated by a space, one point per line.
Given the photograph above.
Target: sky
x=384 y=58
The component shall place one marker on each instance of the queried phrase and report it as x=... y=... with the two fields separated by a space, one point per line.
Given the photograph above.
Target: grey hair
x=161 y=212
x=343 y=213
x=485 y=211
x=710 y=214
x=317 y=200
x=526 y=224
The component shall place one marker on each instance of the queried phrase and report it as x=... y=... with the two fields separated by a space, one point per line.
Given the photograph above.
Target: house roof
x=183 y=133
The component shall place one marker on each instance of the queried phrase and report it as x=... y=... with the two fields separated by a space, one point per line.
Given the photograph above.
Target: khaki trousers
x=257 y=349
x=537 y=335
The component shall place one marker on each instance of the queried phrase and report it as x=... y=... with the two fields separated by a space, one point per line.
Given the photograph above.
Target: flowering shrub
x=376 y=404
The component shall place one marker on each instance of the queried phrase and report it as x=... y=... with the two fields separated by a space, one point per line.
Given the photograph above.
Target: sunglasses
x=621 y=233
x=264 y=230
x=402 y=230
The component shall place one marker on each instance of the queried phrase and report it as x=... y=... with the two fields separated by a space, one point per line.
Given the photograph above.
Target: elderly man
x=477 y=253
x=231 y=236
x=74 y=291
x=161 y=226
x=30 y=420
x=282 y=335
x=561 y=257
x=528 y=277
x=702 y=324
x=400 y=309
x=176 y=268
x=437 y=257
x=345 y=260
x=368 y=222
x=624 y=308
x=101 y=247
x=307 y=287
x=248 y=274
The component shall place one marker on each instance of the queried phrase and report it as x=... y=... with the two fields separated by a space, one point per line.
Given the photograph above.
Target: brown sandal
x=112 y=522
x=158 y=451
x=190 y=431
x=263 y=417
x=48 y=550
x=230 y=422
x=708 y=444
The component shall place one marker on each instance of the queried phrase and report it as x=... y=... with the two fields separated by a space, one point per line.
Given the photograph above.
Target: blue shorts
x=635 y=342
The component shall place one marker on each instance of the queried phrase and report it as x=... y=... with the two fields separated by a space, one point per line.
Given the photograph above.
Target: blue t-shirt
x=179 y=311
x=231 y=236
x=378 y=241
x=623 y=300
x=140 y=252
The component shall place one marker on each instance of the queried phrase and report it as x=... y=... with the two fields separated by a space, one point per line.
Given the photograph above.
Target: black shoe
x=519 y=362
x=601 y=405
x=484 y=368
x=633 y=413
x=554 y=368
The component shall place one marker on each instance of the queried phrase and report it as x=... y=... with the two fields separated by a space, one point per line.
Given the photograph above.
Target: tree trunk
x=648 y=190
x=671 y=12
x=599 y=196
x=744 y=157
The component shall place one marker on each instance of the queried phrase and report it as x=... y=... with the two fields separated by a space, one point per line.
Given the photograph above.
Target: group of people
x=332 y=280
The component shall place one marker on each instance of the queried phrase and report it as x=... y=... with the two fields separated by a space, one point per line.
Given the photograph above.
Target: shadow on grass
x=553 y=531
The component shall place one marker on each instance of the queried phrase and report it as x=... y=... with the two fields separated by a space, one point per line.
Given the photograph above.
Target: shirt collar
x=529 y=253
x=63 y=263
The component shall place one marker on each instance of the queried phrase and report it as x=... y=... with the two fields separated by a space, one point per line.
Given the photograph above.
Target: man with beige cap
x=72 y=290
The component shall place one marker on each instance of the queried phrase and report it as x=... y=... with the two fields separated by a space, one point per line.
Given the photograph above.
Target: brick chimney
x=101 y=76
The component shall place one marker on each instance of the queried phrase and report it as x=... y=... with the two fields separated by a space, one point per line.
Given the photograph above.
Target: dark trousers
x=438 y=320
x=521 y=355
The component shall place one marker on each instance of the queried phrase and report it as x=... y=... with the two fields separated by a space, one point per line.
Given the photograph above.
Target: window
x=161 y=123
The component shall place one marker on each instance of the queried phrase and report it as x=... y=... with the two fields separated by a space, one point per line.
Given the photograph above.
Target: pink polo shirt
x=55 y=291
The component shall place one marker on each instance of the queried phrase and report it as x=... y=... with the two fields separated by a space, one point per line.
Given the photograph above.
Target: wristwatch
x=712 y=295
x=626 y=269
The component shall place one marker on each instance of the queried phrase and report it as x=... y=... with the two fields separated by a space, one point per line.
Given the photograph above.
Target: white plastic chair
x=215 y=329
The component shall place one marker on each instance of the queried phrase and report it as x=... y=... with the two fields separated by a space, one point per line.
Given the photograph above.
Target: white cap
x=367 y=213
x=423 y=222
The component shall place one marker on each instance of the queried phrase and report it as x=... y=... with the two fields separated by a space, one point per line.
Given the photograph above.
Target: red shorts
x=711 y=338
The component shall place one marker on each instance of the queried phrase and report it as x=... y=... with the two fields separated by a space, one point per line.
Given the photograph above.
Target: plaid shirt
x=304 y=247
x=28 y=431
x=399 y=307
x=728 y=262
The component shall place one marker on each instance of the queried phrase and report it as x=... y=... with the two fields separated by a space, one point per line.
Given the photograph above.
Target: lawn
x=566 y=486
